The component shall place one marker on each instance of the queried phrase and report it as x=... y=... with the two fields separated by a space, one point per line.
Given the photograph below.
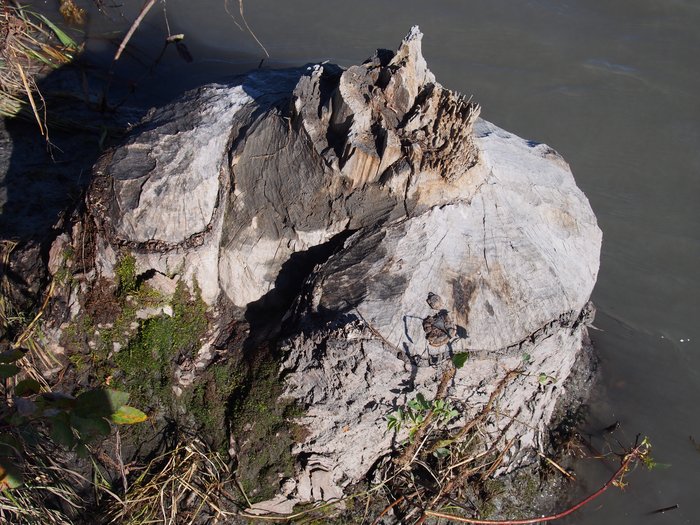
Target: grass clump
x=30 y=45
x=187 y=484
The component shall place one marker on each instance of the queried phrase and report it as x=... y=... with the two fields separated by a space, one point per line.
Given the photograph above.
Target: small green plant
x=645 y=456
x=545 y=379
x=415 y=414
x=72 y=422
x=459 y=359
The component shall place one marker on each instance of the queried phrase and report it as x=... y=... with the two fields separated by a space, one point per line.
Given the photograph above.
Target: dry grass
x=49 y=494
x=183 y=486
x=21 y=332
x=30 y=45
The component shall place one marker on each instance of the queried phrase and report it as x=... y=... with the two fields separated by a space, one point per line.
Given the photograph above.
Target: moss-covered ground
x=264 y=428
x=236 y=399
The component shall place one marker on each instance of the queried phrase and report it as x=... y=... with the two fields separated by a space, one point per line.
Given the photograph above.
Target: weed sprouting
x=416 y=411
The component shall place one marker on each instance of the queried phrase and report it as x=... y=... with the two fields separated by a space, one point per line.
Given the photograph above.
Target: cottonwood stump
x=452 y=235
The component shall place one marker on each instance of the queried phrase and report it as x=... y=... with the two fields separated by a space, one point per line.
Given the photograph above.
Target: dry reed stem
x=30 y=96
x=245 y=22
x=557 y=466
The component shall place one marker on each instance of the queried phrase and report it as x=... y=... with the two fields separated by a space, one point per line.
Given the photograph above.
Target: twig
x=387 y=509
x=376 y=332
x=664 y=510
x=635 y=454
x=498 y=461
x=144 y=10
x=27 y=331
x=120 y=461
x=245 y=22
x=556 y=466
x=487 y=407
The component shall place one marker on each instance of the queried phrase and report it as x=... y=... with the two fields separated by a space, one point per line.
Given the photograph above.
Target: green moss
x=79 y=361
x=64 y=275
x=207 y=402
x=517 y=494
x=265 y=423
x=79 y=328
x=237 y=395
x=126 y=275
x=146 y=365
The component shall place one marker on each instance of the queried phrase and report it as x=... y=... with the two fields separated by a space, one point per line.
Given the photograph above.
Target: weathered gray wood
x=466 y=238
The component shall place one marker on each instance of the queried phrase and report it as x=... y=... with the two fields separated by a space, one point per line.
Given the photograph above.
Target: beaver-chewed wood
x=406 y=194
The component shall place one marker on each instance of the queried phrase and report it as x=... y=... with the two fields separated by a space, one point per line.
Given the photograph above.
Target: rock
x=166 y=285
x=57 y=253
x=418 y=230
x=149 y=312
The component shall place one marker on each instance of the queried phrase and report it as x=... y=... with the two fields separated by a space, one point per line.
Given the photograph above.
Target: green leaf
x=27 y=387
x=10 y=474
x=459 y=359
x=416 y=418
x=81 y=450
x=419 y=404
x=441 y=452
x=127 y=415
x=444 y=443
x=545 y=379
x=7 y=371
x=39 y=57
x=100 y=402
x=61 y=431
x=90 y=428
x=64 y=38
x=10 y=356
x=394 y=421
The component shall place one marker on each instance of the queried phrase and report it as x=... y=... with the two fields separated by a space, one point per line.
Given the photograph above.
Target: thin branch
x=636 y=454
x=144 y=11
x=245 y=22
x=387 y=509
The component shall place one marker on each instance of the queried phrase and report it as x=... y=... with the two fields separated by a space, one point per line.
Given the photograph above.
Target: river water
x=612 y=85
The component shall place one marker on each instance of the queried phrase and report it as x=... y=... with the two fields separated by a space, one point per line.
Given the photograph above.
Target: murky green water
x=613 y=86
